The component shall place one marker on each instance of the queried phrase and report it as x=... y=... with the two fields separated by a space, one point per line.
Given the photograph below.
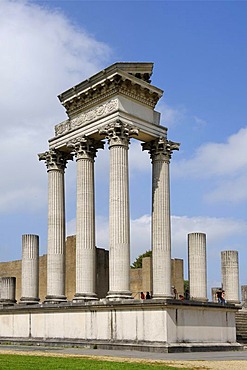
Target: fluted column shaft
x=7 y=290
x=230 y=275
x=197 y=266
x=56 y=163
x=160 y=152
x=85 y=151
x=119 y=220
x=30 y=269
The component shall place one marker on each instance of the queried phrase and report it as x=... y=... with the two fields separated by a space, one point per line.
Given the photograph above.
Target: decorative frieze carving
x=87 y=117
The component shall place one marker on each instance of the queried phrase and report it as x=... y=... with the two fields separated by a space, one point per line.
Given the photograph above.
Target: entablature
x=128 y=79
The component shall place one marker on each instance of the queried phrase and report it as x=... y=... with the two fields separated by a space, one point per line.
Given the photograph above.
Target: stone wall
x=140 y=279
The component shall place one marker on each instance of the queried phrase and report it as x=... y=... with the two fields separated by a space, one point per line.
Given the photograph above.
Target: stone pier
x=7 y=290
x=197 y=266
x=230 y=276
x=30 y=269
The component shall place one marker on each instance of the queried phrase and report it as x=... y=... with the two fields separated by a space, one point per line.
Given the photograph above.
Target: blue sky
x=200 y=56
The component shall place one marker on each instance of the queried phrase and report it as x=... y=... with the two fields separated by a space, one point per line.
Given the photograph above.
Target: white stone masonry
x=197 y=266
x=85 y=152
x=230 y=276
x=118 y=135
x=7 y=290
x=160 y=152
x=30 y=269
x=56 y=163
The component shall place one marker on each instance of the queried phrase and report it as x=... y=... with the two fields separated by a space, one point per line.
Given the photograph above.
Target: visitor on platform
x=142 y=295
x=148 y=296
x=220 y=295
x=175 y=293
x=187 y=295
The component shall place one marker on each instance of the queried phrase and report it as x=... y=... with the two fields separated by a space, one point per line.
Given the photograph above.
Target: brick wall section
x=140 y=279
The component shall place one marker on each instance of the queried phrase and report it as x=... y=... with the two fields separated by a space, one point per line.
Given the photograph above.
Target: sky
x=199 y=51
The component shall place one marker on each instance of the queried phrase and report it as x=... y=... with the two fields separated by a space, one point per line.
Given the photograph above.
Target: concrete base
x=157 y=326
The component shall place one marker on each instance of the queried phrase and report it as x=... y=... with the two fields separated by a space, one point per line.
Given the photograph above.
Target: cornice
x=80 y=98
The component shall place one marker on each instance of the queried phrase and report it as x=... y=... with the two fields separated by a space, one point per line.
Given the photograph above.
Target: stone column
x=85 y=152
x=230 y=276
x=30 y=269
x=118 y=135
x=7 y=290
x=197 y=266
x=160 y=152
x=56 y=164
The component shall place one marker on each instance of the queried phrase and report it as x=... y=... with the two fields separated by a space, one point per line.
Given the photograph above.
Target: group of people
x=147 y=296
x=220 y=295
x=186 y=295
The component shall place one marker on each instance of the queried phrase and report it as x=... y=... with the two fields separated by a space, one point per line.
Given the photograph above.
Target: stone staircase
x=241 y=326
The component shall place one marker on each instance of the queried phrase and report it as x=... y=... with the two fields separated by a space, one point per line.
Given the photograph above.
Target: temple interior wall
x=140 y=279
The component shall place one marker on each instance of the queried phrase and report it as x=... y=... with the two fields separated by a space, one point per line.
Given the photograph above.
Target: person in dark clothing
x=187 y=295
x=148 y=296
x=220 y=296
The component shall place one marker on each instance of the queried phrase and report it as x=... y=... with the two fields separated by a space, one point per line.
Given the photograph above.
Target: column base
x=199 y=299
x=7 y=302
x=29 y=300
x=84 y=297
x=117 y=296
x=55 y=299
x=162 y=296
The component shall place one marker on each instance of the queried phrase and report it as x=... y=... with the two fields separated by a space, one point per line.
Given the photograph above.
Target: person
x=181 y=297
x=187 y=294
x=223 y=301
x=220 y=294
x=148 y=296
x=175 y=293
x=142 y=295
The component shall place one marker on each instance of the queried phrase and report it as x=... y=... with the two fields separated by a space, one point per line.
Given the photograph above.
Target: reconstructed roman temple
x=108 y=109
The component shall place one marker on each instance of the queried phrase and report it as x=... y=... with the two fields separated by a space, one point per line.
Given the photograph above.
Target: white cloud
x=170 y=116
x=219 y=232
x=42 y=54
x=224 y=164
x=216 y=159
x=199 y=122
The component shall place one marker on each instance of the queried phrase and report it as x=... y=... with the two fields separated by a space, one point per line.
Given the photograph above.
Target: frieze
x=89 y=116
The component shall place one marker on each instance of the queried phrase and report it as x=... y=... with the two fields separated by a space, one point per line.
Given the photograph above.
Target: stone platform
x=157 y=326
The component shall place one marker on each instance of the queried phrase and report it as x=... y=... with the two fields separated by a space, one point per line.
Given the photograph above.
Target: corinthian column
x=30 y=269
x=118 y=135
x=56 y=164
x=85 y=152
x=160 y=153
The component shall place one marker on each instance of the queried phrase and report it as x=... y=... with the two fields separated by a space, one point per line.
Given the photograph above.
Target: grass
x=26 y=362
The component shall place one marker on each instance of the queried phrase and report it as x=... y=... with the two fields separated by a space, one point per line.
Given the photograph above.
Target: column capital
x=161 y=148
x=85 y=147
x=118 y=133
x=55 y=160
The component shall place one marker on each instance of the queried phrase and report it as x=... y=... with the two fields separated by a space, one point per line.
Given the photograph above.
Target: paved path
x=196 y=356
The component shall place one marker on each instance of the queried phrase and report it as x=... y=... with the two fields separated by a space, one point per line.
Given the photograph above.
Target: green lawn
x=26 y=362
